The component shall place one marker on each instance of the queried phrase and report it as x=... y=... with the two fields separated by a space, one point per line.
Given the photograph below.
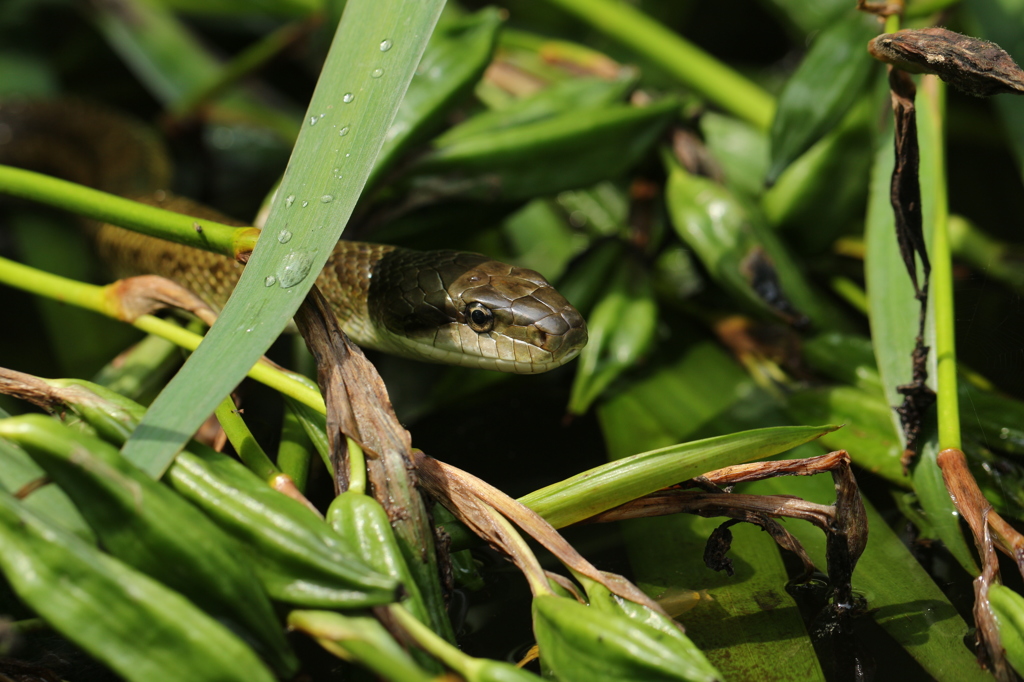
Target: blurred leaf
x=741 y=254
x=50 y=503
x=740 y=148
x=557 y=99
x=809 y=15
x=1002 y=22
x=574 y=149
x=241 y=8
x=455 y=58
x=823 y=192
x=173 y=64
x=621 y=329
x=816 y=97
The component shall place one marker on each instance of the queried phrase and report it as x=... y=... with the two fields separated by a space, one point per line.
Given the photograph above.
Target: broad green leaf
x=582 y=643
x=894 y=321
x=868 y=434
x=610 y=485
x=901 y=596
x=666 y=552
x=315 y=207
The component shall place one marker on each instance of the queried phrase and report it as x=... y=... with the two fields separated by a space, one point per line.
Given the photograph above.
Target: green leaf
x=894 y=322
x=901 y=596
x=138 y=627
x=621 y=330
x=582 y=643
x=666 y=552
x=829 y=80
x=347 y=96
x=455 y=58
x=1008 y=607
x=610 y=485
x=575 y=149
x=869 y=435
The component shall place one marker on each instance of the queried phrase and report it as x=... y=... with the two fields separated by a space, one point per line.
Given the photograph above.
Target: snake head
x=466 y=309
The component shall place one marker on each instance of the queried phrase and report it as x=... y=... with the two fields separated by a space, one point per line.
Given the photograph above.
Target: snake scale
x=437 y=306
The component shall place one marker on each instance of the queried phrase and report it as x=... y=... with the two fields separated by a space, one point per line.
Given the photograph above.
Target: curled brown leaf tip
x=973 y=66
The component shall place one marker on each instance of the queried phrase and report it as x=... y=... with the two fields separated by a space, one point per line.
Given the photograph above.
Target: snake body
x=437 y=306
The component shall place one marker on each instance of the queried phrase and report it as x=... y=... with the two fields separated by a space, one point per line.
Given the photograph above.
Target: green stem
x=242 y=440
x=97 y=299
x=687 y=62
x=156 y=222
x=293 y=453
x=357 y=467
x=430 y=641
x=933 y=92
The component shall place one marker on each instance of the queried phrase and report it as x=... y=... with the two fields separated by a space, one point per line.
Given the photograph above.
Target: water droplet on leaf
x=294 y=268
x=348 y=97
x=385 y=45
x=377 y=73
x=284 y=236
x=270 y=281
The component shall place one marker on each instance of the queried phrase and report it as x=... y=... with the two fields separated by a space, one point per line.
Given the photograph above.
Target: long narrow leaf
x=368 y=70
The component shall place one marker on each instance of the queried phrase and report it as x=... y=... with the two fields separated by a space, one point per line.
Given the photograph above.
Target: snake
x=441 y=306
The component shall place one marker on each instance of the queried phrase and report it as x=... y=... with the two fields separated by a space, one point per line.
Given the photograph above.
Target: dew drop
x=377 y=73
x=344 y=131
x=313 y=120
x=348 y=97
x=385 y=45
x=305 y=204
x=348 y=154
x=284 y=236
x=270 y=281
x=294 y=268
x=326 y=199
x=289 y=201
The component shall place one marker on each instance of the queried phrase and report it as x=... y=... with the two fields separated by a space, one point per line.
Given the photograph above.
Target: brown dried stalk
x=985 y=523
x=473 y=502
x=845 y=522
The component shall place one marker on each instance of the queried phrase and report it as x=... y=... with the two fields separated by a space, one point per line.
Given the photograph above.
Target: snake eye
x=480 y=318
